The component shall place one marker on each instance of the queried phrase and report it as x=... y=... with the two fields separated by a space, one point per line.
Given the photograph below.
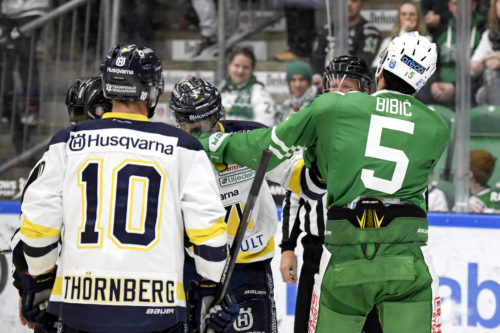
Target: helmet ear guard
x=410 y=57
x=132 y=73
x=85 y=100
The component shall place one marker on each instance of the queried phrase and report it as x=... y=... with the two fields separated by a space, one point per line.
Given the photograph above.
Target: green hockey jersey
x=384 y=144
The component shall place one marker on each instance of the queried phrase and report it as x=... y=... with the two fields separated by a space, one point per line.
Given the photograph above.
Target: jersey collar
x=221 y=127
x=121 y=115
x=384 y=91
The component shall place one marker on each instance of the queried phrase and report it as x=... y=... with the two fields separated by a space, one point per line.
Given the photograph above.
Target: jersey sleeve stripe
x=36 y=252
x=33 y=230
x=279 y=144
x=210 y=253
x=199 y=236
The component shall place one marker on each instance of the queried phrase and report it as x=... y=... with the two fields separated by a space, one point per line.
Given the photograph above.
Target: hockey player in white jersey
x=197 y=106
x=122 y=193
x=84 y=100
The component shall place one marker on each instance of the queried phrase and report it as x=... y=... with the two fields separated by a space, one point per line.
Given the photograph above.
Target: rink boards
x=465 y=250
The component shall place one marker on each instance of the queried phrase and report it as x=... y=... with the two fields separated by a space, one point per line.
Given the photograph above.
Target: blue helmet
x=132 y=73
x=85 y=100
x=195 y=100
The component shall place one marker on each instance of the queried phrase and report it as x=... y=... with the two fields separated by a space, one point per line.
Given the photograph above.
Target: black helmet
x=132 y=73
x=85 y=100
x=351 y=67
x=195 y=100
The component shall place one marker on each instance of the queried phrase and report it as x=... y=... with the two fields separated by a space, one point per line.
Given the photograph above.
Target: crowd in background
x=309 y=49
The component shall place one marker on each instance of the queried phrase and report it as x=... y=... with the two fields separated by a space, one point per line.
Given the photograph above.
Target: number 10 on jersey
x=137 y=190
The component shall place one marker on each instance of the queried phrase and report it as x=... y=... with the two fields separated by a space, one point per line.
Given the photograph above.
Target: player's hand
x=35 y=298
x=221 y=316
x=442 y=91
x=204 y=139
x=201 y=296
x=288 y=267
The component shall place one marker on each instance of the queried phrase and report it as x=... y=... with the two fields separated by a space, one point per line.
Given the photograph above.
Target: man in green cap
x=302 y=92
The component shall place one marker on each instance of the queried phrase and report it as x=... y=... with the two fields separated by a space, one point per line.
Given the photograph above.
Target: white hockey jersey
x=123 y=193
x=234 y=185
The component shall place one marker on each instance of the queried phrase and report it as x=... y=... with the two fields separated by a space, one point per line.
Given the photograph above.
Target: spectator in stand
x=18 y=51
x=302 y=91
x=443 y=91
x=364 y=39
x=300 y=28
x=317 y=80
x=436 y=200
x=243 y=97
x=436 y=14
x=409 y=18
x=482 y=164
x=486 y=59
x=207 y=15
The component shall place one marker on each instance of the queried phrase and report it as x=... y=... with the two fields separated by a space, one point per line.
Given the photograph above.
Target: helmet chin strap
x=152 y=107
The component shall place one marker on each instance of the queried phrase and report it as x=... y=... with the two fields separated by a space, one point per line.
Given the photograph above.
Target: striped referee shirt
x=301 y=215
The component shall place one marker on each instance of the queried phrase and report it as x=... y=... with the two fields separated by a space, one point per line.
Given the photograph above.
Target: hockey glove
x=221 y=316
x=214 y=145
x=201 y=296
x=35 y=297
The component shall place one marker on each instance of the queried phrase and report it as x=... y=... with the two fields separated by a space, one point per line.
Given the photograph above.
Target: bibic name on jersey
x=234 y=185
x=127 y=192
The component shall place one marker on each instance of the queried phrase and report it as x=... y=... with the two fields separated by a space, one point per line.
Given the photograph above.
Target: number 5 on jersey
x=375 y=150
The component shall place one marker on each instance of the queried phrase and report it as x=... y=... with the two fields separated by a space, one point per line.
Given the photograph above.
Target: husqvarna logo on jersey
x=120 y=61
x=77 y=142
x=244 y=321
x=108 y=141
x=413 y=64
x=392 y=63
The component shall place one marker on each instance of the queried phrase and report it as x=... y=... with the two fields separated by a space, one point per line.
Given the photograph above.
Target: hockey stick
x=242 y=227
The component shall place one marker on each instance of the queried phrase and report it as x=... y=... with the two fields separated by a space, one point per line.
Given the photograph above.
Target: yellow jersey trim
x=122 y=115
x=198 y=236
x=180 y=291
x=294 y=184
x=32 y=230
x=57 y=287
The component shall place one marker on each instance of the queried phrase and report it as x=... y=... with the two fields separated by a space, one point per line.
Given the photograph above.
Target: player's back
x=384 y=144
x=130 y=190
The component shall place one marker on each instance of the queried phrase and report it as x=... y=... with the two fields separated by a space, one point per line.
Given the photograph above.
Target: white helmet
x=411 y=57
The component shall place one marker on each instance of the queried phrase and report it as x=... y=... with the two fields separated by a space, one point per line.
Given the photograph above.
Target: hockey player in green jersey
x=376 y=153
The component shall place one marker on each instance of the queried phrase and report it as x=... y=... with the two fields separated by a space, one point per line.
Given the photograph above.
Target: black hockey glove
x=217 y=318
x=35 y=297
x=220 y=317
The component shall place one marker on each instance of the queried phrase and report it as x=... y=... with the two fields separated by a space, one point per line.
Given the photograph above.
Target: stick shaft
x=242 y=227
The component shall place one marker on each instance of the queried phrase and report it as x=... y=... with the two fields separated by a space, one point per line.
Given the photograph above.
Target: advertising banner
x=464 y=250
